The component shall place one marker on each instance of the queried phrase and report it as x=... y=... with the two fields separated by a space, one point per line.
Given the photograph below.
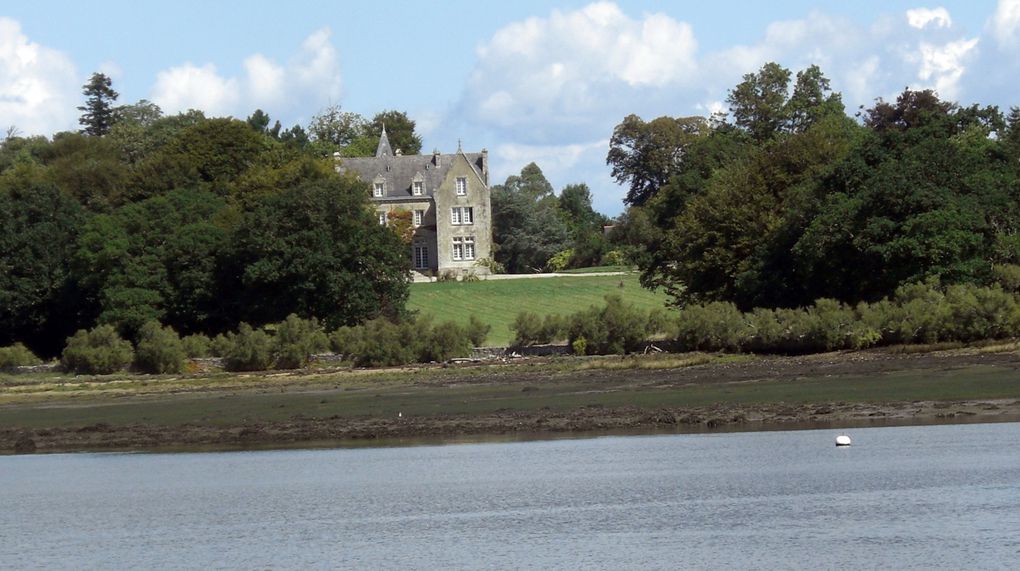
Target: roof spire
x=384 y=149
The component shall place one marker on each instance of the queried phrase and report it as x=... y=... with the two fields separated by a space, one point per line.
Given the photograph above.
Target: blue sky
x=528 y=80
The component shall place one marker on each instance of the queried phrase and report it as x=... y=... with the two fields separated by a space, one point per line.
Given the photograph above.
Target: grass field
x=497 y=302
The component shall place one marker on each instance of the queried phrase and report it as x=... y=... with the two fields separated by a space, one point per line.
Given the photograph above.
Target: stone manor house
x=447 y=196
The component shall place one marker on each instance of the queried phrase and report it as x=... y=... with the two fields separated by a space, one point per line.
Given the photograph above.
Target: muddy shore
x=534 y=419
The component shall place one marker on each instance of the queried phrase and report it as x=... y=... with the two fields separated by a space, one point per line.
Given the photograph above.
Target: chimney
x=485 y=166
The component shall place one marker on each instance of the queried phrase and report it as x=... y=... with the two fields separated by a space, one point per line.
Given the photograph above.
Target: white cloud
x=310 y=79
x=1005 y=23
x=943 y=66
x=921 y=18
x=548 y=86
x=559 y=71
x=562 y=165
x=39 y=87
x=192 y=87
x=555 y=160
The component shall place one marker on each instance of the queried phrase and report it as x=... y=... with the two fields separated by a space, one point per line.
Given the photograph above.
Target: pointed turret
x=384 y=150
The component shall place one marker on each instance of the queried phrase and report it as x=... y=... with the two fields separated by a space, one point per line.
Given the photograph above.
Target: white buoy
x=842 y=440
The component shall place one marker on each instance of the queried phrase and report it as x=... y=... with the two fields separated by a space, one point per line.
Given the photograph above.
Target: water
x=904 y=498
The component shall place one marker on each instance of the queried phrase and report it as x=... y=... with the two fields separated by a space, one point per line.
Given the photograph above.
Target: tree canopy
x=198 y=223
x=789 y=200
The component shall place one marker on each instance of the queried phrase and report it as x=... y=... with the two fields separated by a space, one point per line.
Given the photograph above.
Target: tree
x=154 y=259
x=39 y=226
x=527 y=228
x=332 y=129
x=399 y=130
x=316 y=251
x=758 y=103
x=645 y=155
x=588 y=240
x=90 y=169
x=98 y=114
x=259 y=121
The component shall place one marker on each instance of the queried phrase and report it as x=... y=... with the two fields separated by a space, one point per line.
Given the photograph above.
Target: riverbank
x=560 y=396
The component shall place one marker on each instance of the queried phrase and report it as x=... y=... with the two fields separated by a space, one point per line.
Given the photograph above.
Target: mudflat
x=522 y=398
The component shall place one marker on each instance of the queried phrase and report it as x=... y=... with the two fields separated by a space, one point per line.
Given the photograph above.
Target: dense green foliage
x=535 y=230
x=17 y=355
x=615 y=327
x=195 y=223
x=159 y=350
x=790 y=200
x=384 y=343
x=916 y=313
x=99 y=351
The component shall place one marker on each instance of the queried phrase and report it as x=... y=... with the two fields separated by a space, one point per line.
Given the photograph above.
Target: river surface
x=918 y=497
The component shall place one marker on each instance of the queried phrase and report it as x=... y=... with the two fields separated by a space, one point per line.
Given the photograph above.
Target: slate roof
x=400 y=170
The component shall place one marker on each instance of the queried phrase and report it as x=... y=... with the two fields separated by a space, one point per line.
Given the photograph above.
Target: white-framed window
x=461 y=186
x=382 y=218
x=469 y=248
x=458 y=248
x=419 y=217
x=421 y=257
x=417 y=188
x=462 y=215
x=377 y=190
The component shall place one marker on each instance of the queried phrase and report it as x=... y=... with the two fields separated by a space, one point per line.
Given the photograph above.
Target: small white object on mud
x=842 y=440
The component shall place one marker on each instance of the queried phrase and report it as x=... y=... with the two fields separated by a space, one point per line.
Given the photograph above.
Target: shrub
x=296 y=341
x=980 y=313
x=717 y=326
x=587 y=325
x=99 y=351
x=527 y=328
x=477 y=331
x=384 y=344
x=579 y=346
x=626 y=327
x=17 y=355
x=248 y=350
x=560 y=260
x=344 y=340
x=196 y=345
x=219 y=346
x=443 y=342
x=159 y=349
x=614 y=258
x=920 y=315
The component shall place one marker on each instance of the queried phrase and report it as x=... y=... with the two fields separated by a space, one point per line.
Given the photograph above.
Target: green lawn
x=497 y=302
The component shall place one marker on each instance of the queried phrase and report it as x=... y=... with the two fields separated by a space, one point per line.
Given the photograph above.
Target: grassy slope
x=497 y=302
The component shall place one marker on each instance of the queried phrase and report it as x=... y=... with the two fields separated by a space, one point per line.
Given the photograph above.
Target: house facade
x=446 y=197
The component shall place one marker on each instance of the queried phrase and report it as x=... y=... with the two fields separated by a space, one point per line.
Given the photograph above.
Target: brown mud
x=534 y=419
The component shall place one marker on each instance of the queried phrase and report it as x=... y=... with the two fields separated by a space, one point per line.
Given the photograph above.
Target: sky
x=527 y=80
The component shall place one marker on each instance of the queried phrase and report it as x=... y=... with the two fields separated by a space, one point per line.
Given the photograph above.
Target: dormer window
x=377 y=190
x=461 y=186
x=418 y=188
